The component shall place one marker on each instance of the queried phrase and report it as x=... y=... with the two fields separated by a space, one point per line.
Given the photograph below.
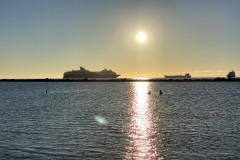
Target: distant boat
x=83 y=73
x=231 y=75
x=186 y=76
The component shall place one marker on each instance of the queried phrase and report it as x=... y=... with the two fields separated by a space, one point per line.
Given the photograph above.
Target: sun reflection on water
x=141 y=129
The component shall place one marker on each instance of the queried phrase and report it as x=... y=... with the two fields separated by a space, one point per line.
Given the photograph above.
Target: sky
x=45 y=38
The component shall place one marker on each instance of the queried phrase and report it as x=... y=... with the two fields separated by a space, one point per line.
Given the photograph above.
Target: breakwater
x=124 y=80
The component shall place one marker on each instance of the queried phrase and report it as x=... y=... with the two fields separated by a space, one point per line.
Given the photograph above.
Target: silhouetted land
x=124 y=80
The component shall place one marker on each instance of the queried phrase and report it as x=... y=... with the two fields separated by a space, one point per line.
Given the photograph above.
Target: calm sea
x=120 y=120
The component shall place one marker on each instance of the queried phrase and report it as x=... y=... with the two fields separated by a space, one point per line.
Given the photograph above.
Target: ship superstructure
x=231 y=75
x=83 y=73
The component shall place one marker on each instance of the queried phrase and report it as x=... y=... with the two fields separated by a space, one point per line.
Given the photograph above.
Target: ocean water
x=120 y=120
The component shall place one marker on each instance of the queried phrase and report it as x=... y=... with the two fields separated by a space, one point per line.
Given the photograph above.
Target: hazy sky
x=45 y=38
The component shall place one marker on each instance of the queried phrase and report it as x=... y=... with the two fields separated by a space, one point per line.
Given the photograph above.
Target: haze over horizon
x=43 y=39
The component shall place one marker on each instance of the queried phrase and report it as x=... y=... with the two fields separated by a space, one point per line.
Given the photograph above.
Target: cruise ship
x=186 y=76
x=84 y=73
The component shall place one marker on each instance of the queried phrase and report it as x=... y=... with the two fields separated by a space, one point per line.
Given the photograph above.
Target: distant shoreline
x=124 y=80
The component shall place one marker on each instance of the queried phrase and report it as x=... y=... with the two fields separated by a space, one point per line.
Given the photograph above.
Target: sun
x=141 y=37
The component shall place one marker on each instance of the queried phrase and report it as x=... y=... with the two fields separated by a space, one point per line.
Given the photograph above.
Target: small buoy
x=160 y=92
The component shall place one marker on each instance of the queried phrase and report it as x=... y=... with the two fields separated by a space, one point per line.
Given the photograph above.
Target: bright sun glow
x=141 y=78
x=141 y=37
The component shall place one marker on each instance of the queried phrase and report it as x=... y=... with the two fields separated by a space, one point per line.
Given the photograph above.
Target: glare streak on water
x=120 y=120
x=141 y=129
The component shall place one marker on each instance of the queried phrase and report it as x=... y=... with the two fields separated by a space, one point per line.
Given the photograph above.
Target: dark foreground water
x=120 y=120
